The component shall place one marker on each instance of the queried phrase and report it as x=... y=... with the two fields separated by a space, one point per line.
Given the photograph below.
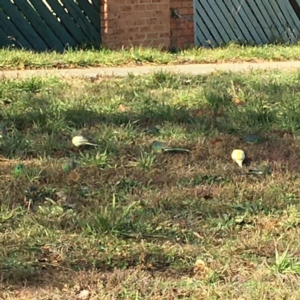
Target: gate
x=49 y=24
x=258 y=22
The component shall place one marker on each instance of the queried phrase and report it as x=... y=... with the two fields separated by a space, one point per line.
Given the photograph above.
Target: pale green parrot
x=238 y=156
x=79 y=140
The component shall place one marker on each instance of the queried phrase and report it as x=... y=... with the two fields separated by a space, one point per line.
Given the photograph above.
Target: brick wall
x=135 y=22
x=182 y=24
x=167 y=23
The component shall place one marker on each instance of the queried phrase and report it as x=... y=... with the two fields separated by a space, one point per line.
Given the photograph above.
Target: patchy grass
x=22 y=59
x=130 y=223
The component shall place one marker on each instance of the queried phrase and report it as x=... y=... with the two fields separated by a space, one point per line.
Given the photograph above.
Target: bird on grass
x=19 y=170
x=238 y=156
x=262 y=169
x=162 y=147
x=69 y=165
x=251 y=139
x=79 y=140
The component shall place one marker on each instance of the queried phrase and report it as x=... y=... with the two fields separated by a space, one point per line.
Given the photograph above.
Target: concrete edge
x=192 y=69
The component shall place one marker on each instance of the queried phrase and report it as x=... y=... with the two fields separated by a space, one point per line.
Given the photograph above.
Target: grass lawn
x=21 y=59
x=123 y=221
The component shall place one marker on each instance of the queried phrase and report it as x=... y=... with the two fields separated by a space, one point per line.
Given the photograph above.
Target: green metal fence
x=49 y=24
x=246 y=21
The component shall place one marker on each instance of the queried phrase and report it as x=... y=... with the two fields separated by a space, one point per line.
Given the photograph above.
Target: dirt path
x=123 y=71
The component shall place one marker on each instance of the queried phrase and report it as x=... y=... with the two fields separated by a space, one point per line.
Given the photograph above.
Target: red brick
x=161 y=14
x=179 y=32
x=187 y=32
x=164 y=35
x=140 y=36
x=175 y=4
x=143 y=28
x=112 y=2
x=131 y=22
x=151 y=6
x=174 y=26
x=113 y=8
x=138 y=7
x=111 y=16
x=131 y=30
x=143 y=14
x=126 y=37
x=151 y=21
x=183 y=11
x=125 y=8
x=187 y=4
x=127 y=15
x=158 y=28
x=139 y=22
x=152 y=35
x=190 y=25
x=164 y=6
x=124 y=22
x=109 y=31
x=190 y=11
x=184 y=39
x=120 y=30
x=111 y=38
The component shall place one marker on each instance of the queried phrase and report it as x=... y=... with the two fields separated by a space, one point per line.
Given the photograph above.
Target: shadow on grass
x=171 y=202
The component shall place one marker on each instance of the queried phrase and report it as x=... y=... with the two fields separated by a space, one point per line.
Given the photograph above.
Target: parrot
x=251 y=139
x=261 y=169
x=19 y=170
x=238 y=156
x=68 y=166
x=79 y=140
x=152 y=130
x=162 y=147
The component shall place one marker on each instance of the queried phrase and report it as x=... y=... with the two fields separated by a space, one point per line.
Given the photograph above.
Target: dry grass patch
x=122 y=221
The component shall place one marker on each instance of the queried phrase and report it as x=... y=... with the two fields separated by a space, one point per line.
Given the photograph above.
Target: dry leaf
x=196 y=234
x=200 y=269
x=73 y=176
x=200 y=112
x=83 y=295
x=215 y=141
x=55 y=259
x=238 y=101
x=61 y=195
x=199 y=266
x=122 y=108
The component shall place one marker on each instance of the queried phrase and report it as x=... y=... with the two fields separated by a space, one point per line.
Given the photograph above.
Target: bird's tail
x=91 y=144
